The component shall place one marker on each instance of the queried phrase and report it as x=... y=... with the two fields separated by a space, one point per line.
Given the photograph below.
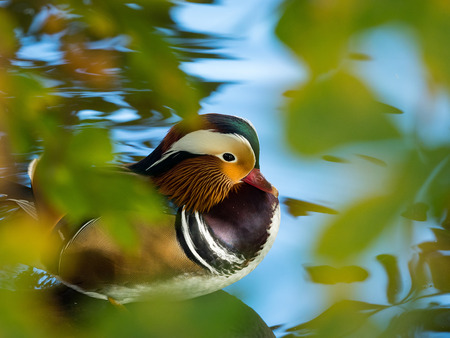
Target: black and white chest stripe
x=200 y=245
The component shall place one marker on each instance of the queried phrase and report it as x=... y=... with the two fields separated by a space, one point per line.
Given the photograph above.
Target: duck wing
x=90 y=260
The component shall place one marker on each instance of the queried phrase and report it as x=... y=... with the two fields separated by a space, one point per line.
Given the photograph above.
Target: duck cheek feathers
x=235 y=171
x=197 y=184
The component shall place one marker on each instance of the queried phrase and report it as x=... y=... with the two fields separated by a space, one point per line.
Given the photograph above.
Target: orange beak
x=256 y=179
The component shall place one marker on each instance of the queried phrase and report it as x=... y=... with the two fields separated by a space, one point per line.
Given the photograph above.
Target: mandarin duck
x=225 y=218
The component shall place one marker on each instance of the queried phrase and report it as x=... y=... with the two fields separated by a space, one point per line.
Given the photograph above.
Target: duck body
x=224 y=219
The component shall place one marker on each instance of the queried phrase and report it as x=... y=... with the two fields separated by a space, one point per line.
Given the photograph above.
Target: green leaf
x=320 y=33
x=416 y=212
x=301 y=208
x=355 y=229
x=413 y=323
x=442 y=238
x=440 y=270
x=339 y=320
x=314 y=32
x=91 y=146
x=24 y=112
x=335 y=111
x=373 y=160
x=394 y=285
x=81 y=191
x=335 y=159
x=438 y=190
x=433 y=30
x=326 y=274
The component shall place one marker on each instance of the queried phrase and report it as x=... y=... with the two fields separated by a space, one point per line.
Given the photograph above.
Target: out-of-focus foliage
x=97 y=59
x=333 y=111
x=303 y=208
x=326 y=274
x=342 y=319
x=339 y=109
x=89 y=49
x=319 y=32
x=409 y=312
x=74 y=314
x=68 y=69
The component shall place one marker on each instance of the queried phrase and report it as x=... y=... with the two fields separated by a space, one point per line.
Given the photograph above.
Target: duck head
x=198 y=166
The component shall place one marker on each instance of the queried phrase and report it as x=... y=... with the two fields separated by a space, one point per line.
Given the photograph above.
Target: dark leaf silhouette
x=416 y=212
x=359 y=56
x=80 y=314
x=440 y=270
x=301 y=208
x=420 y=322
x=388 y=109
x=326 y=274
x=442 y=238
x=341 y=319
x=394 y=278
x=331 y=158
x=438 y=191
x=446 y=222
x=373 y=160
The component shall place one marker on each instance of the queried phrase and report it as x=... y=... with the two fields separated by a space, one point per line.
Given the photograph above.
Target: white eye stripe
x=207 y=142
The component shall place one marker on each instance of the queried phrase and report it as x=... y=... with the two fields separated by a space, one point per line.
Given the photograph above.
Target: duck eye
x=228 y=157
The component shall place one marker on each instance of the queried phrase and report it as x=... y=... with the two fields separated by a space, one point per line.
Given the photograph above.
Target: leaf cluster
x=332 y=113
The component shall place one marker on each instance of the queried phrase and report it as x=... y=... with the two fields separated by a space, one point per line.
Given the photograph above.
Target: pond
x=363 y=244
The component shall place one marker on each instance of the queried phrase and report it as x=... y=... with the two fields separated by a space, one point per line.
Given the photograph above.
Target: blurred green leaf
x=438 y=189
x=335 y=159
x=13 y=322
x=388 y=109
x=416 y=212
x=74 y=314
x=358 y=227
x=316 y=32
x=90 y=145
x=216 y=315
x=24 y=113
x=301 y=208
x=446 y=222
x=320 y=33
x=8 y=43
x=373 y=160
x=134 y=52
x=411 y=175
x=359 y=57
x=326 y=274
x=157 y=65
x=442 y=238
x=21 y=238
x=420 y=323
x=76 y=179
x=440 y=270
x=335 y=111
x=433 y=30
x=394 y=278
x=340 y=320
